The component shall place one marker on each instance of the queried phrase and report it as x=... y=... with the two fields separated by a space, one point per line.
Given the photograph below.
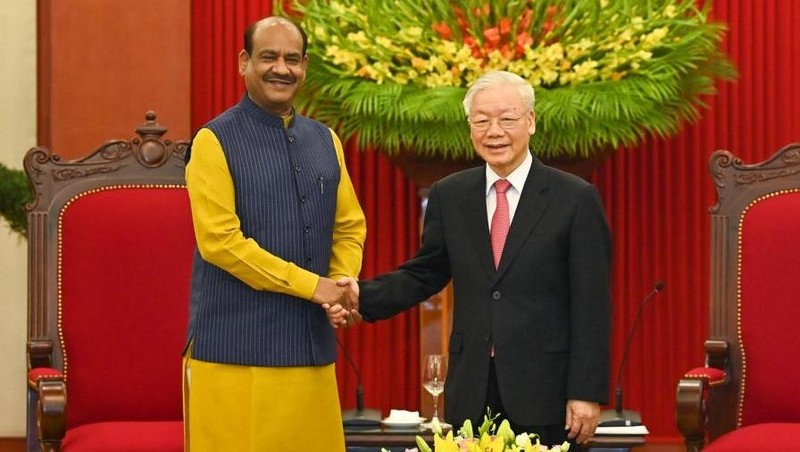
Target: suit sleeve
x=590 y=277
x=417 y=279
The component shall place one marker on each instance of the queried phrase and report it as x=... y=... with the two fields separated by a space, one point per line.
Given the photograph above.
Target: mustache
x=279 y=78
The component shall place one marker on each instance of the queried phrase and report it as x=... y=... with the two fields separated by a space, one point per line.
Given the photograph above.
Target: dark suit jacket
x=546 y=308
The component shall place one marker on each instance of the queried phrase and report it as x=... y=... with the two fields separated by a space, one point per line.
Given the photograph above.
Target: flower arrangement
x=488 y=438
x=605 y=72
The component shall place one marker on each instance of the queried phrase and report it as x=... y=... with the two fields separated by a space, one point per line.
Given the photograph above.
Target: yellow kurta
x=242 y=408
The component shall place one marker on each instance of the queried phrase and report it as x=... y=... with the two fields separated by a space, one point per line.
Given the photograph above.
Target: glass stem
x=436 y=406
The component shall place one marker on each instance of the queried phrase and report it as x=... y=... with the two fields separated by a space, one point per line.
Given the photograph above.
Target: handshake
x=339 y=299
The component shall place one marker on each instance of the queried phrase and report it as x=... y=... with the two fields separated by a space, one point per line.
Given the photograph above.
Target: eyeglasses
x=505 y=122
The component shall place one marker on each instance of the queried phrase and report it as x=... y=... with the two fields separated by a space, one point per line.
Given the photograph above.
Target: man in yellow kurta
x=277 y=222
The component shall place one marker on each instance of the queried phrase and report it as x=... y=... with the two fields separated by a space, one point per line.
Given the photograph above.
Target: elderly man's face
x=276 y=68
x=501 y=128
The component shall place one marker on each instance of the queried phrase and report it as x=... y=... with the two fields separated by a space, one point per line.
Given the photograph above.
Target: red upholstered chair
x=110 y=248
x=747 y=395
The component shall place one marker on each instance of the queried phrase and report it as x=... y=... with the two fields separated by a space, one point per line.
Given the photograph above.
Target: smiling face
x=276 y=67
x=504 y=143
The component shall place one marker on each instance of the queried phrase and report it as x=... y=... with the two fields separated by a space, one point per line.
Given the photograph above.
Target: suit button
x=307 y=229
x=296 y=168
x=303 y=199
x=496 y=294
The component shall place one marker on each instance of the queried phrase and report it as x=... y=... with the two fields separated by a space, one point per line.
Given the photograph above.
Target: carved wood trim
x=738 y=186
x=147 y=160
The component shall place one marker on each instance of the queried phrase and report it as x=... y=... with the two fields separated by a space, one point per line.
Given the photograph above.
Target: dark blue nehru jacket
x=286 y=181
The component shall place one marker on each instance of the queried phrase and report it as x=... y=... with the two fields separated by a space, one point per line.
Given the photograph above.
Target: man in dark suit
x=528 y=249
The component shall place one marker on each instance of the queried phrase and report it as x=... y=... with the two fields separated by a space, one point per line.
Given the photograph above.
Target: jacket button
x=303 y=198
x=296 y=168
x=496 y=294
x=307 y=229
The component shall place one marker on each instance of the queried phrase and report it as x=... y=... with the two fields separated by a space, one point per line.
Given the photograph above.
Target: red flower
x=473 y=44
x=524 y=40
x=444 y=30
x=505 y=26
x=525 y=21
x=492 y=36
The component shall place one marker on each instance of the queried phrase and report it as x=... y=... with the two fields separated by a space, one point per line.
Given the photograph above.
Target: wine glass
x=435 y=373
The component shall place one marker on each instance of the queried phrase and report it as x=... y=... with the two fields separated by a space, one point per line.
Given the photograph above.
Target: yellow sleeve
x=350 y=227
x=218 y=232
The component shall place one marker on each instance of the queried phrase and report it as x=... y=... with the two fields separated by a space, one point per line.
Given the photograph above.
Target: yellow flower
x=491 y=443
x=655 y=37
x=446 y=444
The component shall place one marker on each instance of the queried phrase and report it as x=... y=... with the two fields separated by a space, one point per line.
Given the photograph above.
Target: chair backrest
x=755 y=285
x=110 y=249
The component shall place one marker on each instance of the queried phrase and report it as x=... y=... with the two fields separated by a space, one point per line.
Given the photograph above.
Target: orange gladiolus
x=462 y=24
x=444 y=30
x=492 y=36
x=525 y=22
x=504 y=26
x=524 y=40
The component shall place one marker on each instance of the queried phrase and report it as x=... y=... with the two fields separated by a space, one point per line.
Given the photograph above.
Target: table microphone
x=619 y=417
x=359 y=417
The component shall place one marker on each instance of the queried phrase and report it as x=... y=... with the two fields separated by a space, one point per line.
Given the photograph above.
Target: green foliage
x=14 y=194
x=606 y=72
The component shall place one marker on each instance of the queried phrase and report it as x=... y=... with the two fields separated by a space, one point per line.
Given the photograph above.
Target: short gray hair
x=497 y=78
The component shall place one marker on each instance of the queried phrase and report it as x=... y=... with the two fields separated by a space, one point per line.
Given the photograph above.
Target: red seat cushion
x=125 y=437
x=773 y=436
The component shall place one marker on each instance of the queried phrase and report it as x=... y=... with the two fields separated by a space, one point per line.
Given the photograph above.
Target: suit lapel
x=475 y=218
x=532 y=204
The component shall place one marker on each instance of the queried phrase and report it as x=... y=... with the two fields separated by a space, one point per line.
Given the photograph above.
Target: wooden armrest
x=40 y=353
x=51 y=391
x=693 y=394
x=51 y=413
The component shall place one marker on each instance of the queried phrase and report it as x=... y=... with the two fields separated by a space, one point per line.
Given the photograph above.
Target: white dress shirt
x=517 y=179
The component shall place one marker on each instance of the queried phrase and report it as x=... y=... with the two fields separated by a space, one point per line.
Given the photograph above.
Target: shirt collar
x=517 y=177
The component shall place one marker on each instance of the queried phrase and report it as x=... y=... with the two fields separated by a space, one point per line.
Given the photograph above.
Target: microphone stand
x=360 y=417
x=618 y=417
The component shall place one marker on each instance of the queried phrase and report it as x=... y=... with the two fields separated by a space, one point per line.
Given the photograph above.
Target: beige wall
x=18 y=129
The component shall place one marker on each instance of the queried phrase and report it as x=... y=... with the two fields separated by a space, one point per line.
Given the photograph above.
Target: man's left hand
x=582 y=420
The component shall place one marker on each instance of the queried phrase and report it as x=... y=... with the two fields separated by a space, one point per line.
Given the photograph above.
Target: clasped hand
x=340 y=301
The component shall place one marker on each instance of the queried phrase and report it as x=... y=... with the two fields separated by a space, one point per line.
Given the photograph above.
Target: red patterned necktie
x=500 y=220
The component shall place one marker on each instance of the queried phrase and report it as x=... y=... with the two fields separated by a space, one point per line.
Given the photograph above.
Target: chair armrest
x=693 y=394
x=40 y=353
x=51 y=408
